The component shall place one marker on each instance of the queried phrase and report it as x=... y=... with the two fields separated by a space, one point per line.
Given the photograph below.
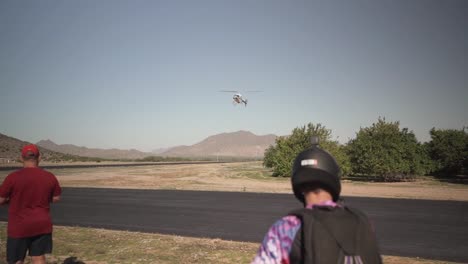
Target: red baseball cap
x=30 y=150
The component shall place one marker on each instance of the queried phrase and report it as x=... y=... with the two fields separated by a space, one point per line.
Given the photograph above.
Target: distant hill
x=235 y=144
x=93 y=152
x=243 y=144
x=10 y=148
x=159 y=151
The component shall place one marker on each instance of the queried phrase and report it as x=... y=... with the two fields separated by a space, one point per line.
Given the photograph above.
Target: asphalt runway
x=414 y=228
x=99 y=165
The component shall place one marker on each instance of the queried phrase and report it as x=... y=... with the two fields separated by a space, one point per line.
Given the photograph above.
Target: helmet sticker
x=308 y=162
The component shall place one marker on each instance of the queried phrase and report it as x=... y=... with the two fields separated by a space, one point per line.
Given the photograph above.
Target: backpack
x=334 y=235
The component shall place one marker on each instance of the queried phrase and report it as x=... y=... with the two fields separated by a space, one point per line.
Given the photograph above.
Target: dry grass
x=100 y=246
x=106 y=246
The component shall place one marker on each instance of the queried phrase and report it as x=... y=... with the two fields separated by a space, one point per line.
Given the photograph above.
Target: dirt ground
x=243 y=177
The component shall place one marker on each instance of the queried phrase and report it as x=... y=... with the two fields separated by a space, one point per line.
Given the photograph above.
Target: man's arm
x=5 y=190
x=3 y=200
x=55 y=199
x=57 y=192
x=277 y=243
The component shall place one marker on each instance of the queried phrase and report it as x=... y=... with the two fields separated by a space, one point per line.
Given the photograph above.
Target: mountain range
x=234 y=144
x=10 y=149
x=93 y=152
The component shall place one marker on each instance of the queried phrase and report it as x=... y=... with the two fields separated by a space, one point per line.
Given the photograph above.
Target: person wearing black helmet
x=324 y=231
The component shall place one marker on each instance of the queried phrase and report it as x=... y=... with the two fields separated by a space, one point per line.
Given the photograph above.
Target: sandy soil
x=242 y=177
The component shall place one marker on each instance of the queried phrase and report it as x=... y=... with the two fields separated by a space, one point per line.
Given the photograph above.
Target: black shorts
x=36 y=246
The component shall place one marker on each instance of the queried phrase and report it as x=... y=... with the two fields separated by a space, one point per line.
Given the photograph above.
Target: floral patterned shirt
x=277 y=244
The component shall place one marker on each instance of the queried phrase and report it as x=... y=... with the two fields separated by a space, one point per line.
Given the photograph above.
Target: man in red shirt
x=29 y=192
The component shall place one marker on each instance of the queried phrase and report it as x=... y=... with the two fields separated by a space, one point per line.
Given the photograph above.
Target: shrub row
x=383 y=151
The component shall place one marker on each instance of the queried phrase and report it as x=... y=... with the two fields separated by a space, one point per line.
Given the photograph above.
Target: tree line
x=381 y=152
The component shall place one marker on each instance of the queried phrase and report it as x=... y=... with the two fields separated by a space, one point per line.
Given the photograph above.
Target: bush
x=281 y=156
x=385 y=152
x=449 y=150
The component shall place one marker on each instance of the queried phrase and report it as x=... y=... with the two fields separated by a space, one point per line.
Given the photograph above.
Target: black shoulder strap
x=330 y=232
x=314 y=243
x=367 y=244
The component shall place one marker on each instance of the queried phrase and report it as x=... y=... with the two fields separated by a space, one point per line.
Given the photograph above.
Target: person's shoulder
x=290 y=219
x=15 y=173
x=284 y=228
x=287 y=222
x=13 y=176
x=354 y=210
x=44 y=170
x=357 y=212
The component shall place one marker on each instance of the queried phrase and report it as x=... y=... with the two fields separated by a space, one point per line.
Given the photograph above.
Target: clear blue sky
x=147 y=74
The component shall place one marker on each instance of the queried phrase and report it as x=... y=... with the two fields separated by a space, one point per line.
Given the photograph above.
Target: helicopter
x=237 y=98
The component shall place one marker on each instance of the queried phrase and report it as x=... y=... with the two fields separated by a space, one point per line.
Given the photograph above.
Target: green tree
x=388 y=152
x=448 y=148
x=281 y=156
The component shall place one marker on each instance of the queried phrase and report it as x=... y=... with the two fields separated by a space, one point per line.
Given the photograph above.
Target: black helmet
x=315 y=166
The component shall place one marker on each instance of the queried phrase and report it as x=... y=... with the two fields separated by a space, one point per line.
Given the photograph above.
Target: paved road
x=417 y=228
x=99 y=165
